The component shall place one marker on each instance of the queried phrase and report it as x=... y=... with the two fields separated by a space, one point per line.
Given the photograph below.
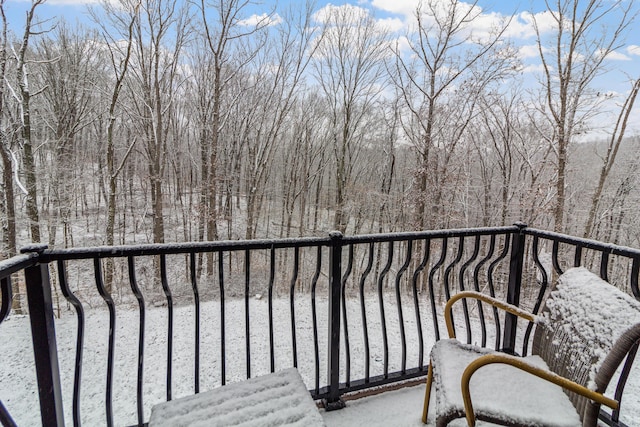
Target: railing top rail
x=49 y=255
x=431 y=234
x=585 y=243
x=17 y=263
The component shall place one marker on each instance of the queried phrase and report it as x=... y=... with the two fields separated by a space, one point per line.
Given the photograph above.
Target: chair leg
x=427 y=394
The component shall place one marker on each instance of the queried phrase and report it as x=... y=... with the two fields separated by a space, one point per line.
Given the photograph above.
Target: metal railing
x=350 y=312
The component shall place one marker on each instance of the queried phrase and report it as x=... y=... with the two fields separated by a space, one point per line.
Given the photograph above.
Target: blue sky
x=624 y=64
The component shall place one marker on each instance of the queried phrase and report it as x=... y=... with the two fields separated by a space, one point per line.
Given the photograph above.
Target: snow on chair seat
x=585 y=332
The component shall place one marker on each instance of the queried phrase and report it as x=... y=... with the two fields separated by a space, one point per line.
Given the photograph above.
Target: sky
x=397 y=15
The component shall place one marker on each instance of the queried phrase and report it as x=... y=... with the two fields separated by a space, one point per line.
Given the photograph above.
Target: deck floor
x=398 y=408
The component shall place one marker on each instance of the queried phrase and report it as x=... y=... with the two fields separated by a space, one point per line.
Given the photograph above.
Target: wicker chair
x=586 y=330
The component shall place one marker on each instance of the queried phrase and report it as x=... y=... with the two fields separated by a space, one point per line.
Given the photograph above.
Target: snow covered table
x=585 y=332
x=278 y=399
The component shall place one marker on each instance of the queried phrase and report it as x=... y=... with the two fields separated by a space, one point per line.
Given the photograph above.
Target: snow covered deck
x=401 y=407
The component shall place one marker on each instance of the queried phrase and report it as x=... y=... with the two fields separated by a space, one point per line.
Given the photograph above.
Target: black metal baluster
x=383 y=319
x=169 y=297
x=292 y=288
x=447 y=291
x=5 y=308
x=363 y=311
x=416 y=303
x=223 y=357
x=247 y=279
x=7 y=296
x=333 y=400
x=492 y=292
x=622 y=381
x=476 y=285
x=543 y=288
x=577 y=257
x=604 y=266
x=5 y=417
x=77 y=375
x=514 y=287
x=463 y=269
x=133 y=282
x=432 y=273
x=97 y=268
x=272 y=275
x=196 y=303
x=43 y=336
x=347 y=348
x=403 y=338
x=316 y=344
x=554 y=257
x=635 y=271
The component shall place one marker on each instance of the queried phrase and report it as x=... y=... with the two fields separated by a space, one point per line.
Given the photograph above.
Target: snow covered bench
x=585 y=332
x=277 y=399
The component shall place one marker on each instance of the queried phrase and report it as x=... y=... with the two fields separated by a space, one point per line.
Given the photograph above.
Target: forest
x=170 y=121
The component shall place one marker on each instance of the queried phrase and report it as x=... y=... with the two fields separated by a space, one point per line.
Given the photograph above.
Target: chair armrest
x=521 y=364
x=485 y=298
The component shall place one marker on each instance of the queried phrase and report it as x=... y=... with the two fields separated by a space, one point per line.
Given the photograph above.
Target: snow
x=518 y=398
x=398 y=408
x=577 y=307
x=17 y=375
x=278 y=399
x=394 y=408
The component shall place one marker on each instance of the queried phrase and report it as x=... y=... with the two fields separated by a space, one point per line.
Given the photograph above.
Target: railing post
x=333 y=401
x=513 y=289
x=43 y=335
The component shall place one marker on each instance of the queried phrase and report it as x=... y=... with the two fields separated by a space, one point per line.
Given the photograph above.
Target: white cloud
x=401 y=43
x=633 y=50
x=533 y=68
x=355 y=13
x=392 y=24
x=406 y=8
x=349 y=14
x=522 y=26
x=528 y=51
x=617 y=56
x=261 y=20
x=71 y=2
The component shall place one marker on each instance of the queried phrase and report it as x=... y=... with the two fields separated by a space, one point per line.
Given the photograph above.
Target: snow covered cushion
x=500 y=393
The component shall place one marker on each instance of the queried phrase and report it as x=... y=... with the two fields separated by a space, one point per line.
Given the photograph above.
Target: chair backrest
x=589 y=327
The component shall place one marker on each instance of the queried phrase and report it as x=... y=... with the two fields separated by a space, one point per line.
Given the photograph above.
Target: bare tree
x=616 y=139
x=160 y=35
x=66 y=69
x=23 y=97
x=8 y=194
x=7 y=198
x=349 y=67
x=441 y=79
x=275 y=88
x=118 y=50
x=572 y=57
x=224 y=32
x=497 y=137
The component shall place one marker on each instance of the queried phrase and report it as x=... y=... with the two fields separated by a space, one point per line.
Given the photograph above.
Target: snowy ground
x=400 y=408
